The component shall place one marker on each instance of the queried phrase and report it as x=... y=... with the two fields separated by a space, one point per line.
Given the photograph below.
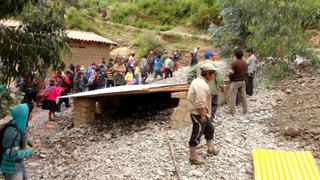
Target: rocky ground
x=137 y=147
x=297 y=115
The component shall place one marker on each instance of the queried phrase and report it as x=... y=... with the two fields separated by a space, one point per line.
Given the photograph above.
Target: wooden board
x=284 y=165
x=133 y=89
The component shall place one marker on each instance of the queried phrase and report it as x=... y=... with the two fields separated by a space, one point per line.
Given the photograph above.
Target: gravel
x=137 y=148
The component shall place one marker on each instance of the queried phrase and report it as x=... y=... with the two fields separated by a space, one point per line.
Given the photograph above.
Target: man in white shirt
x=199 y=105
x=195 y=51
x=169 y=67
x=252 y=65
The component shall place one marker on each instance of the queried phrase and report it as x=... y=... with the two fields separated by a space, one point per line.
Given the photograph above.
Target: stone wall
x=84 y=111
x=85 y=53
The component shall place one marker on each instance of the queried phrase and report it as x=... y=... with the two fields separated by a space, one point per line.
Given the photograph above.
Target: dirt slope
x=300 y=109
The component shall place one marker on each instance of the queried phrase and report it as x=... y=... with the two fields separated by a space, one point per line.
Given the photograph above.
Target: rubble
x=291 y=131
x=134 y=146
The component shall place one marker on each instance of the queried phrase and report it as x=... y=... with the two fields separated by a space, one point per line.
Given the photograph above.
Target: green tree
x=276 y=28
x=34 y=46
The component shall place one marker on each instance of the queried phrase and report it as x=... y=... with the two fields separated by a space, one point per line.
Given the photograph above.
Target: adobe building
x=87 y=47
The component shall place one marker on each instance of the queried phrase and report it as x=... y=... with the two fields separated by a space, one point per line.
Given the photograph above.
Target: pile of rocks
x=137 y=148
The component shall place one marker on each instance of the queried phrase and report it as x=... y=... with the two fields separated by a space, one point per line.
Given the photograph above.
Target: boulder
x=291 y=131
x=122 y=52
x=288 y=91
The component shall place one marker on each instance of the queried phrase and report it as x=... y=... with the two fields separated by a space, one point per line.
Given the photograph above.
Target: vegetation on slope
x=275 y=28
x=164 y=15
x=150 y=14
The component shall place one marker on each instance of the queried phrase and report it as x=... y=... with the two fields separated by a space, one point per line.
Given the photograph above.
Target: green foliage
x=275 y=28
x=13 y=7
x=277 y=70
x=153 y=14
x=75 y=19
x=8 y=99
x=35 y=46
x=146 y=42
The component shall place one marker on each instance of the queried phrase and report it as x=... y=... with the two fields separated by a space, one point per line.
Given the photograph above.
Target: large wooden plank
x=134 y=89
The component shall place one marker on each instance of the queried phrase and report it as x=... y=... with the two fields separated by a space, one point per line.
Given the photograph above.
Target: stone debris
x=136 y=148
x=291 y=131
x=288 y=91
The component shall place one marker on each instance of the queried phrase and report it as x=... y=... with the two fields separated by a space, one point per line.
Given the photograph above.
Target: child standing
x=49 y=103
x=137 y=76
x=129 y=76
x=110 y=75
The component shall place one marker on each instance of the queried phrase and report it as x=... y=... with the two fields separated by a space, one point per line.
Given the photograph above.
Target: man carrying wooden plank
x=199 y=104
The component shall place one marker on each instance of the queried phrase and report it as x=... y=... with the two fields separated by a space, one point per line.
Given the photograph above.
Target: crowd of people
x=205 y=78
x=114 y=72
x=118 y=72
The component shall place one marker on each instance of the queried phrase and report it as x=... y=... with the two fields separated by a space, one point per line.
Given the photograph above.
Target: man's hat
x=207 y=67
x=208 y=54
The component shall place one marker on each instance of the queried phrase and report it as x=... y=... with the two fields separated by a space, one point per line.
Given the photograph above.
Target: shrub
x=75 y=19
x=276 y=28
x=167 y=13
x=146 y=42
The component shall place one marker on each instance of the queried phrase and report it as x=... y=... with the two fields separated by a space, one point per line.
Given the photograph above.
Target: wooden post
x=84 y=111
x=180 y=116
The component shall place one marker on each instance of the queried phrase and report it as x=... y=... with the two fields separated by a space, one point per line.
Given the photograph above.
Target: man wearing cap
x=199 y=104
x=214 y=84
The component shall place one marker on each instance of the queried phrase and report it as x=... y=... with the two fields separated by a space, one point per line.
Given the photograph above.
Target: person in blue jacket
x=15 y=144
x=157 y=67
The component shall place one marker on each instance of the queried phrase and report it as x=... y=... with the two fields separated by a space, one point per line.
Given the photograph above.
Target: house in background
x=87 y=47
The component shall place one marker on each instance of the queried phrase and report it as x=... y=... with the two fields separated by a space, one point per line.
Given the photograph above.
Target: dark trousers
x=199 y=129
x=110 y=83
x=249 y=85
x=168 y=73
x=156 y=73
x=63 y=100
x=238 y=99
x=214 y=104
x=150 y=70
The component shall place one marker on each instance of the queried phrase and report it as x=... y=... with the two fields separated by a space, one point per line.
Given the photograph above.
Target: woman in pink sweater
x=51 y=94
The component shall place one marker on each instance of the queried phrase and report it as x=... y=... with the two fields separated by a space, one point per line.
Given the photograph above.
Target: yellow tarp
x=284 y=165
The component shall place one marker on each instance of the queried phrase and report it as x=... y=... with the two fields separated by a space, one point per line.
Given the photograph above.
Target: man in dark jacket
x=238 y=76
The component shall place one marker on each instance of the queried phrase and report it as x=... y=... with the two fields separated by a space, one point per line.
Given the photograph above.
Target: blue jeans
x=19 y=175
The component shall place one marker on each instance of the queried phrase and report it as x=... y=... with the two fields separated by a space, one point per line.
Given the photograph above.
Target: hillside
x=148 y=14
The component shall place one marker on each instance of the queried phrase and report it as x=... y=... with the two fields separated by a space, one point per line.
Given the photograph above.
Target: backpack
x=3 y=128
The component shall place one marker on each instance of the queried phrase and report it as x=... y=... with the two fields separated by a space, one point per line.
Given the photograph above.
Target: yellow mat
x=284 y=165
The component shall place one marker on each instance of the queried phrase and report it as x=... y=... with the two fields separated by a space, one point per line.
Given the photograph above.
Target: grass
x=182 y=46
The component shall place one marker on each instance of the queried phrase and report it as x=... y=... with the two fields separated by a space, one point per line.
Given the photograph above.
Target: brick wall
x=85 y=53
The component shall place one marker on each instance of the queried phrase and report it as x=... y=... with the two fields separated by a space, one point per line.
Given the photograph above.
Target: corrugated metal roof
x=72 y=34
x=286 y=165
x=88 y=36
